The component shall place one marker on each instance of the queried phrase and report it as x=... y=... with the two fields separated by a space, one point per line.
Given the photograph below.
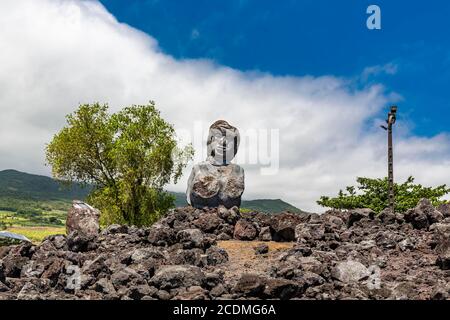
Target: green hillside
x=265 y=205
x=29 y=186
x=24 y=191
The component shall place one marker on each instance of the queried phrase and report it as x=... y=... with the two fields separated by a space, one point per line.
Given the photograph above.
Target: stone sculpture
x=217 y=181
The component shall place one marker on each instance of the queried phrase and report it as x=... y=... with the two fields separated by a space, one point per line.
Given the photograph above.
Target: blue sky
x=315 y=38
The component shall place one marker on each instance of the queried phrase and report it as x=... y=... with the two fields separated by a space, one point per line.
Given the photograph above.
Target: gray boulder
x=350 y=272
x=83 y=218
x=176 y=276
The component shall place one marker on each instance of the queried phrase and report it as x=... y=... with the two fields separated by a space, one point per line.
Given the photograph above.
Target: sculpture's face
x=223 y=145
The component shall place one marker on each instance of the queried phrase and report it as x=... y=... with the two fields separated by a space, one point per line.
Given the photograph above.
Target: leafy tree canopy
x=373 y=194
x=128 y=156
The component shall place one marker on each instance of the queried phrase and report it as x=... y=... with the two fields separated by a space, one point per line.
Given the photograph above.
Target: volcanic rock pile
x=337 y=255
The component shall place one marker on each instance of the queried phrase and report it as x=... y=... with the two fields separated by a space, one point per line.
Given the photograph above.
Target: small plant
x=373 y=194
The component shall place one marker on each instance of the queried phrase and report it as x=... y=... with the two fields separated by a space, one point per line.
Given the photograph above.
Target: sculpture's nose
x=223 y=141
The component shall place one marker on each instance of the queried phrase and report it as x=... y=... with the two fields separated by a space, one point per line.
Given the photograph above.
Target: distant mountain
x=16 y=184
x=21 y=185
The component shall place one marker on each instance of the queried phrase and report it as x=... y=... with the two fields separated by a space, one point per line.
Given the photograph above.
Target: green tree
x=128 y=157
x=373 y=194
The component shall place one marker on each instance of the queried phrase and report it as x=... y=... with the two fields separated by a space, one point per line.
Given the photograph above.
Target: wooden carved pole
x=390 y=121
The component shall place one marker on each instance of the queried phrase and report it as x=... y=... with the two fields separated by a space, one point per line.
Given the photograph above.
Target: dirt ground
x=242 y=257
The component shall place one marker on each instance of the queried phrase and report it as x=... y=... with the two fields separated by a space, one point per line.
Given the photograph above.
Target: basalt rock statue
x=217 y=181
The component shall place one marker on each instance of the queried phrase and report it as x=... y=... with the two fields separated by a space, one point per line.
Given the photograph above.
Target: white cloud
x=388 y=68
x=56 y=54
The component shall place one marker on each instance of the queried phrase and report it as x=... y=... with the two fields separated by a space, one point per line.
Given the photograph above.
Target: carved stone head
x=223 y=142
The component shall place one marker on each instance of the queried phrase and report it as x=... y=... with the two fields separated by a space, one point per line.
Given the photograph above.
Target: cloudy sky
x=310 y=71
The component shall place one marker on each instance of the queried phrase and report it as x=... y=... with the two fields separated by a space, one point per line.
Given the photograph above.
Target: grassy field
x=35 y=226
x=37 y=234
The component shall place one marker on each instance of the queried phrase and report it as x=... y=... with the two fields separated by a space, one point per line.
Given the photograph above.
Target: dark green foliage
x=373 y=194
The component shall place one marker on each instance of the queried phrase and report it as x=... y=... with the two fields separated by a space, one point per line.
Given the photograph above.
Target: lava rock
x=208 y=222
x=283 y=226
x=442 y=238
x=265 y=234
x=175 y=276
x=231 y=216
x=281 y=289
x=160 y=235
x=245 y=230
x=444 y=209
x=191 y=238
x=250 y=284
x=81 y=242
x=423 y=215
x=356 y=215
x=261 y=249
x=216 y=255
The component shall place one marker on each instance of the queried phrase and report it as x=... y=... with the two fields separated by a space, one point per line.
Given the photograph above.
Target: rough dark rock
x=358 y=214
x=191 y=238
x=231 y=216
x=216 y=256
x=81 y=242
x=387 y=216
x=2 y=273
x=161 y=236
x=423 y=215
x=170 y=277
x=245 y=230
x=250 y=284
x=283 y=226
x=208 y=222
x=385 y=257
x=444 y=209
x=264 y=234
x=442 y=238
x=261 y=248
x=282 y=289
